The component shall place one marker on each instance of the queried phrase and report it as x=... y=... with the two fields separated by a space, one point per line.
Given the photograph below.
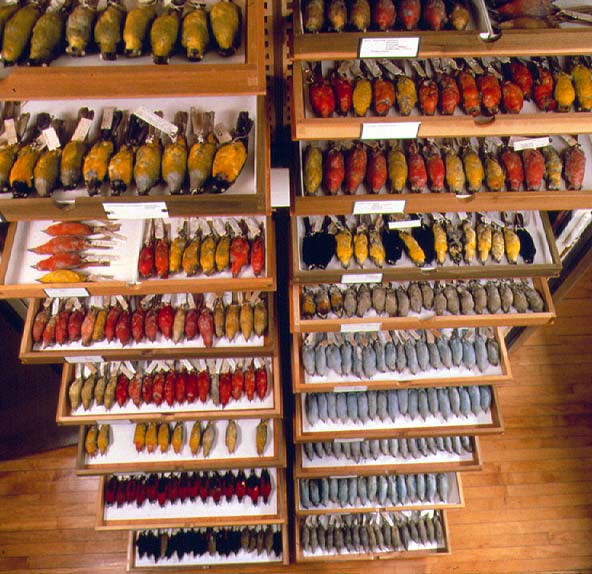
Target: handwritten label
x=364 y=278
x=389 y=47
x=390 y=130
x=351 y=389
x=147 y=210
x=52 y=141
x=156 y=121
x=67 y=292
x=360 y=327
x=532 y=143
x=82 y=129
x=84 y=359
x=391 y=206
x=408 y=223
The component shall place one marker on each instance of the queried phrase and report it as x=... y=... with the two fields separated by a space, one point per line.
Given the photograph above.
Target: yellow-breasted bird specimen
x=174 y=157
x=17 y=32
x=96 y=161
x=164 y=34
x=195 y=33
x=148 y=160
x=225 y=22
x=108 y=30
x=80 y=26
x=136 y=27
x=74 y=151
x=201 y=153
x=230 y=158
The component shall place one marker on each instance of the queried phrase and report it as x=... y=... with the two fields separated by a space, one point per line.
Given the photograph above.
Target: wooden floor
x=529 y=510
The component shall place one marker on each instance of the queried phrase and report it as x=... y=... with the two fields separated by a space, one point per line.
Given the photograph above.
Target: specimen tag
x=351 y=389
x=187 y=364
x=145 y=210
x=159 y=123
x=391 y=206
x=222 y=134
x=151 y=367
x=67 y=292
x=84 y=359
x=52 y=141
x=531 y=143
x=390 y=130
x=10 y=132
x=350 y=278
x=404 y=224
x=107 y=119
x=360 y=327
x=82 y=129
x=389 y=47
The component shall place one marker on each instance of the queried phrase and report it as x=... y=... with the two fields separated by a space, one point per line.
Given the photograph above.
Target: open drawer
x=388 y=492
x=115 y=264
x=122 y=456
x=402 y=546
x=352 y=427
x=234 y=557
x=304 y=380
x=248 y=403
x=546 y=261
x=91 y=76
x=337 y=320
x=175 y=500
x=160 y=348
x=447 y=454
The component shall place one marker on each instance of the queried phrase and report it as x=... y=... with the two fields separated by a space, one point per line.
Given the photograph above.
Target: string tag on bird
x=164 y=126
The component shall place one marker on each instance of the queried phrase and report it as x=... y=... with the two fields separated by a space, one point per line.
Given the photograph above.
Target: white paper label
x=107 y=119
x=156 y=121
x=364 y=278
x=84 y=359
x=389 y=47
x=52 y=141
x=360 y=327
x=342 y=440
x=391 y=206
x=532 y=143
x=407 y=224
x=146 y=210
x=10 y=131
x=222 y=134
x=82 y=129
x=390 y=130
x=351 y=389
x=67 y=292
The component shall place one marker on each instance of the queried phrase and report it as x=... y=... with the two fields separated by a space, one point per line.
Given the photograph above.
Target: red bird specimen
x=146 y=257
x=61 y=330
x=512 y=97
x=76 y=228
x=121 y=389
x=111 y=321
x=574 y=166
x=181 y=386
x=470 y=95
x=158 y=388
x=147 y=388
x=135 y=389
x=40 y=322
x=87 y=327
x=436 y=169
x=191 y=386
x=63 y=244
x=75 y=325
x=384 y=14
x=137 y=324
x=161 y=257
x=191 y=327
x=205 y=324
x=322 y=97
x=377 y=172
x=70 y=260
x=449 y=94
x=356 y=163
x=512 y=164
x=334 y=172
x=383 y=96
x=204 y=383
x=521 y=8
x=534 y=168
x=544 y=86
x=165 y=320
x=258 y=254
x=261 y=382
x=169 y=388
x=238 y=383
x=428 y=96
x=250 y=384
x=343 y=93
x=151 y=323
x=409 y=13
x=123 y=329
x=434 y=14
x=239 y=254
x=491 y=92
x=522 y=77
x=225 y=388
x=418 y=175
